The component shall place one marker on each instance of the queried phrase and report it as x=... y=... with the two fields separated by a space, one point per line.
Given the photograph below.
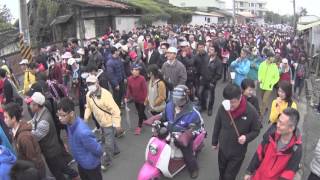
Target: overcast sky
x=278 y=6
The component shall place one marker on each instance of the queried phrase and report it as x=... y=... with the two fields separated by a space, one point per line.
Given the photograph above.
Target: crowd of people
x=170 y=70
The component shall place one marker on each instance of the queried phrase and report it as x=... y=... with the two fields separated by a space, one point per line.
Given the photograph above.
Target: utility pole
x=24 y=22
x=294 y=17
x=234 y=12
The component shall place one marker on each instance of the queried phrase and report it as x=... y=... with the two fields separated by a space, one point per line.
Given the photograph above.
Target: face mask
x=92 y=88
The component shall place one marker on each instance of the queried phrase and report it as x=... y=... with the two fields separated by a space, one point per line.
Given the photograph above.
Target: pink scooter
x=163 y=157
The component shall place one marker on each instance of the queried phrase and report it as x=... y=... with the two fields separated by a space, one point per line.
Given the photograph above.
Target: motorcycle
x=162 y=156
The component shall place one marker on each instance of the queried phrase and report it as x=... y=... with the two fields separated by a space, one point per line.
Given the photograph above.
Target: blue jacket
x=7 y=160
x=83 y=144
x=5 y=141
x=241 y=68
x=182 y=121
x=254 y=67
x=115 y=71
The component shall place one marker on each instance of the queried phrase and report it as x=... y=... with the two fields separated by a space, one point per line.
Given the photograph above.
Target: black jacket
x=189 y=64
x=215 y=71
x=224 y=134
x=154 y=59
x=201 y=63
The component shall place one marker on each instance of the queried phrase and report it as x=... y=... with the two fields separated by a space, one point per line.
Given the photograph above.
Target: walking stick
x=233 y=124
x=226 y=105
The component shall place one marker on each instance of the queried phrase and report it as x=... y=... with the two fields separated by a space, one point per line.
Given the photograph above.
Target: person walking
x=44 y=131
x=232 y=140
x=156 y=91
x=209 y=78
x=25 y=144
x=137 y=91
x=283 y=101
x=83 y=144
x=241 y=67
x=101 y=104
x=268 y=76
x=116 y=73
x=279 y=154
x=174 y=72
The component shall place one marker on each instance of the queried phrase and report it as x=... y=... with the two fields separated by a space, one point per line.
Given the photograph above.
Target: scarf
x=240 y=110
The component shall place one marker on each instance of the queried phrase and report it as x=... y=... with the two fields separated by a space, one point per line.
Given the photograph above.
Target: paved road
x=127 y=165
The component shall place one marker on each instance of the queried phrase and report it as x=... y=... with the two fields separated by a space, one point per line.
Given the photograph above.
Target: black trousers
x=203 y=96
x=92 y=174
x=142 y=116
x=225 y=71
x=312 y=176
x=118 y=94
x=229 y=166
x=188 y=156
x=58 y=167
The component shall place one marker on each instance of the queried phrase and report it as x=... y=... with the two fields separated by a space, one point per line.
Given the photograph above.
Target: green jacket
x=268 y=75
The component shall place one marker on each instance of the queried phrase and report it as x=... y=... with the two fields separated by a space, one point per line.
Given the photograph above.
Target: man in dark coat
x=234 y=134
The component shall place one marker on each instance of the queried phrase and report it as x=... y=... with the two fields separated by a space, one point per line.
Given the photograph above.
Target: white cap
x=184 y=43
x=285 y=61
x=80 y=51
x=172 y=50
x=24 y=61
x=125 y=48
x=71 y=61
x=118 y=45
x=66 y=55
x=38 y=98
x=91 y=79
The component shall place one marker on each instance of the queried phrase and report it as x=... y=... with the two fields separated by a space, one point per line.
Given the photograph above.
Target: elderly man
x=174 y=72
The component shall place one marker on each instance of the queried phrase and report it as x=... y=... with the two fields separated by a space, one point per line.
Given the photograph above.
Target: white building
x=255 y=7
x=200 y=4
x=202 y=18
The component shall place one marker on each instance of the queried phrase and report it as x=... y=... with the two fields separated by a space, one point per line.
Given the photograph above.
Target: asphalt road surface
x=127 y=165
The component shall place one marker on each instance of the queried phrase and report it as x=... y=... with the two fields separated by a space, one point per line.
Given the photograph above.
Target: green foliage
x=153 y=10
x=5 y=18
x=274 y=18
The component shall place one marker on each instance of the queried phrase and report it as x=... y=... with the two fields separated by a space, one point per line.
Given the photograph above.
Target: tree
x=303 y=11
x=5 y=18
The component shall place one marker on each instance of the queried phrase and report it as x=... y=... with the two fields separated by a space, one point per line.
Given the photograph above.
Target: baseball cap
x=66 y=55
x=133 y=54
x=71 y=61
x=37 y=98
x=80 y=51
x=172 y=50
x=91 y=79
x=285 y=61
x=136 y=66
x=24 y=61
x=184 y=44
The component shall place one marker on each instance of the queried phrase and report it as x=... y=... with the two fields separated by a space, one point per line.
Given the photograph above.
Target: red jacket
x=137 y=88
x=270 y=164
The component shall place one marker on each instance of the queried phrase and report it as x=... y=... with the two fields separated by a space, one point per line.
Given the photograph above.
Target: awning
x=61 y=19
x=304 y=27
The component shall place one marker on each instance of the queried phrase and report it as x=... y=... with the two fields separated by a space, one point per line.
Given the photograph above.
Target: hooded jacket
x=268 y=163
x=241 y=68
x=7 y=160
x=27 y=146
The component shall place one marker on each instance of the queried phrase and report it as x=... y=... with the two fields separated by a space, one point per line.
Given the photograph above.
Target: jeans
x=110 y=145
x=229 y=166
x=90 y=174
x=142 y=116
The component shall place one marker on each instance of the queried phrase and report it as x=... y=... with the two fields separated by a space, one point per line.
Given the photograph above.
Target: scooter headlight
x=153 y=149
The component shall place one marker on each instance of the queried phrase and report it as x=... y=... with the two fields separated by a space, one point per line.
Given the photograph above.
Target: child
x=137 y=91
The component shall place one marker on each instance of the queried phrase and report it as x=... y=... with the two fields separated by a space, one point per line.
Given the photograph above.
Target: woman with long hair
x=283 y=101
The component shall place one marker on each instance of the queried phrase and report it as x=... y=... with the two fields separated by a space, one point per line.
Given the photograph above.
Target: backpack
x=300 y=72
x=57 y=91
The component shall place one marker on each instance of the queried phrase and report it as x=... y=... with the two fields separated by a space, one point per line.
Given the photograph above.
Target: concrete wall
x=90 y=30
x=202 y=20
x=198 y=3
x=9 y=49
x=159 y=23
x=315 y=37
x=126 y=23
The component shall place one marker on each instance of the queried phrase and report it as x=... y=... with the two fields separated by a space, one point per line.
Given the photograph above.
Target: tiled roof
x=100 y=3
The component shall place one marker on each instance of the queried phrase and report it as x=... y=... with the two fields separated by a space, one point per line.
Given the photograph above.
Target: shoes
x=210 y=112
x=116 y=154
x=106 y=167
x=194 y=174
x=137 y=131
x=95 y=130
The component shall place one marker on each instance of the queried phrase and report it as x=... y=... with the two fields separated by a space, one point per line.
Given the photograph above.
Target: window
x=252 y=4
x=241 y=4
x=208 y=20
x=260 y=5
